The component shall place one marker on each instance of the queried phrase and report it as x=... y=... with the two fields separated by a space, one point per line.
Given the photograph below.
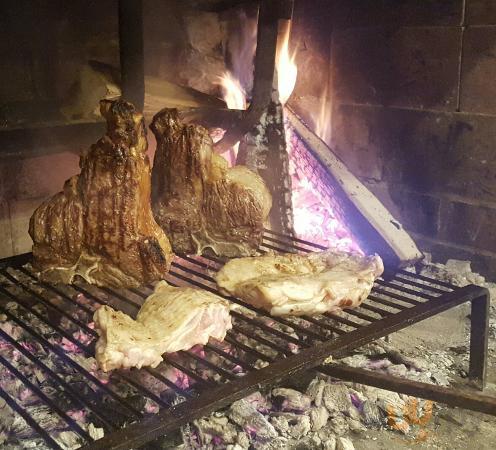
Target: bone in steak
x=171 y=319
x=290 y=284
x=200 y=202
x=101 y=226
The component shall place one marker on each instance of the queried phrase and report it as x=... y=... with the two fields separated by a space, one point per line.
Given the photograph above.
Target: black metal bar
x=75 y=396
x=250 y=351
x=479 y=333
x=205 y=362
x=83 y=347
x=401 y=288
x=448 y=396
x=263 y=341
x=229 y=357
x=73 y=425
x=291 y=238
x=325 y=325
x=428 y=279
x=286 y=244
x=200 y=380
x=268 y=24
x=69 y=361
x=380 y=311
x=55 y=290
x=131 y=52
x=168 y=383
x=396 y=296
x=29 y=420
x=48 y=303
x=46 y=320
x=211 y=400
x=384 y=302
x=400 y=278
x=343 y=320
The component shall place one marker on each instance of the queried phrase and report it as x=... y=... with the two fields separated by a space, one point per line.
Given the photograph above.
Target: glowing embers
x=318 y=216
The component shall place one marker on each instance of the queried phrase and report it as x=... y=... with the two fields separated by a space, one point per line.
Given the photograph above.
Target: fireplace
x=368 y=123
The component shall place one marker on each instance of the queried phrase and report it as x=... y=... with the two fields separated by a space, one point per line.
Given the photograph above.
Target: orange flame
x=285 y=64
x=235 y=97
x=232 y=91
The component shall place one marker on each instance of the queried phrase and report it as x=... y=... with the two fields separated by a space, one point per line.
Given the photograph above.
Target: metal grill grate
x=259 y=350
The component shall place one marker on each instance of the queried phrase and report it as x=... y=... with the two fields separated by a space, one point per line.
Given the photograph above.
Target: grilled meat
x=171 y=319
x=201 y=203
x=101 y=226
x=290 y=284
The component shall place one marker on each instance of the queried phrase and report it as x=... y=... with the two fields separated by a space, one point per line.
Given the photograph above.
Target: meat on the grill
x=171 y=319
x=200 y=202
x=291 y=284
x=101 y=225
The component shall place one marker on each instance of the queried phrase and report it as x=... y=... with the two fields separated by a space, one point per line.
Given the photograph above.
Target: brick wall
x=413 y=88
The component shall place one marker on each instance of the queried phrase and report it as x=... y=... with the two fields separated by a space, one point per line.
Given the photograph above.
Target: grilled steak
x=290 y=284
x=199 y=202
x=101 y=226
x=171 y=319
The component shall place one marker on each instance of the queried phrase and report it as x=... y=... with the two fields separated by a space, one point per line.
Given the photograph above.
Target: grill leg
x=479 y=330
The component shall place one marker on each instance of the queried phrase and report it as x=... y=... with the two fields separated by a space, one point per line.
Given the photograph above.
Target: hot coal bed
x=311 y=381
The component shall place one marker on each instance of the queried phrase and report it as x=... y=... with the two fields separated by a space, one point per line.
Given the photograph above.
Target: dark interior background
x=410 y=85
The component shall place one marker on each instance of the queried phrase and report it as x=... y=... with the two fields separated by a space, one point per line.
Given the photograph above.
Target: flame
x=235 y=97
x=232 y=91
x=286 y=67
x=323 y=121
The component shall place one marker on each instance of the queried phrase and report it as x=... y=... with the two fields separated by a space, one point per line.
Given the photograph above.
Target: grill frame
x=421 y=298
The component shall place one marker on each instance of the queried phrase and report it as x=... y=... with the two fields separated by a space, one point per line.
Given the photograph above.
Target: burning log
x=371 y=223
x=263 y=150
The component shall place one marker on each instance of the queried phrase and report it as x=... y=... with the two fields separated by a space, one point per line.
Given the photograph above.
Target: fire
x=235 y=97
x=285 y=64
x=323 y=121
x=233 y=93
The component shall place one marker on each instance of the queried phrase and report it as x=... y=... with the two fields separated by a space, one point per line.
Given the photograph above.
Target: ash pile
x=330 y=414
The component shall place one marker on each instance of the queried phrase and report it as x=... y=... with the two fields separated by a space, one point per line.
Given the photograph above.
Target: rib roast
x=101 y=225
x=200 y=202
x=171 y=319
x=290 y=284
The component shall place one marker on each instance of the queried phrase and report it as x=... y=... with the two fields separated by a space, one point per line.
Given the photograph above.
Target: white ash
x=329 y=412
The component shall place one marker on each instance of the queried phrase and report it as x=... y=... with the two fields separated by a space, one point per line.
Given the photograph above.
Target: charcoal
x=260 y=402
x=216 y=429
x=299 y=426
x=315 y=391
x=255 y=424
x=94 y=432
x=344 y=444
x=372 y=416
x=336 y=398
x=42 y=415
x=318 y=417
x=290 y=400
x=6 y=420
x=69 y=440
